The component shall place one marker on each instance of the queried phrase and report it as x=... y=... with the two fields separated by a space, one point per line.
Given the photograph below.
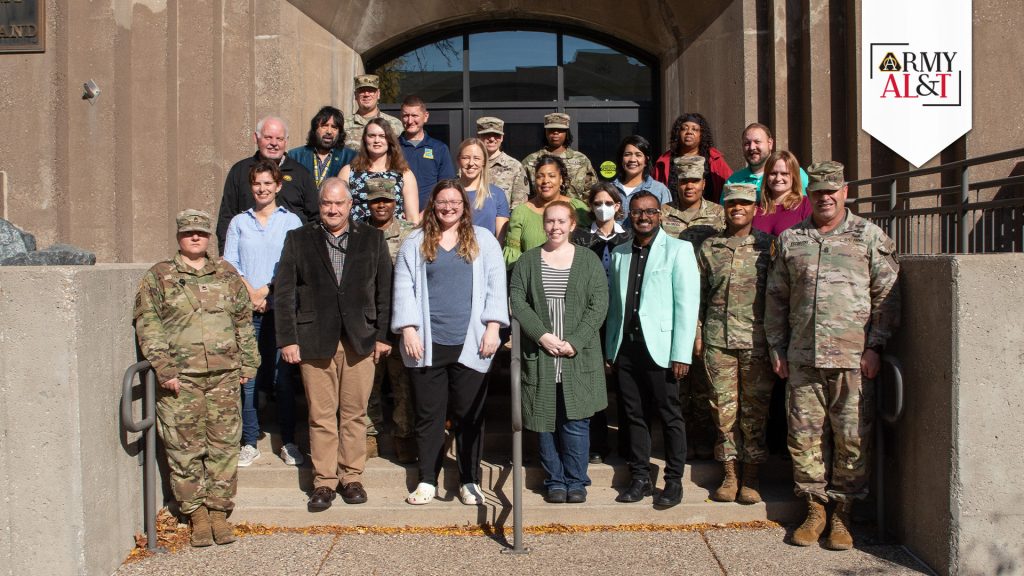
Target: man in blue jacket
x=324 y=153
x=428 y=158
x=652 y=323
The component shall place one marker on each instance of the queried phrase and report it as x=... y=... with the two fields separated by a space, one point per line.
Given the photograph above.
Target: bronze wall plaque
x=22 y=26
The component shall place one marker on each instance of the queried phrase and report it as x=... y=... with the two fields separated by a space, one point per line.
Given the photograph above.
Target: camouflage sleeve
x=149 y=329
x=705 y=284
x=520 y=191
x=776 y=306
x=528 y=166
x=590 y=178
x=245 y=335
x=885 y=291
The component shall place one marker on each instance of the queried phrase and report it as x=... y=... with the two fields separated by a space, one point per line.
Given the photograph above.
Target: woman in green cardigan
x=559 y=294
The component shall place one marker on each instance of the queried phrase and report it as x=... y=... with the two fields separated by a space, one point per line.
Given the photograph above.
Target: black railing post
x=515 y=369
x=892 y=208
x=148 y=426
x=963 y=229
x=883 y=417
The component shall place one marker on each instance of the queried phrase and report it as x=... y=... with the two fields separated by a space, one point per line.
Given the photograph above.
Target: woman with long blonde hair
x=488 y=202
x=782 y=202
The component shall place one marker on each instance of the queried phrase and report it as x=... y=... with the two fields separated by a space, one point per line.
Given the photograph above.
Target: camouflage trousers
x=200 y=429
x=403 y=416
x=831 y=413
x=694 y=397
x=741 y=389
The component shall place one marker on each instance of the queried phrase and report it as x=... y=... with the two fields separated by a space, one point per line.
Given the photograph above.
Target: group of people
x=694 y=289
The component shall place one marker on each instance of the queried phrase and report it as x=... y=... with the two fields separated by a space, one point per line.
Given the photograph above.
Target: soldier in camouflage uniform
x=558 y=136
x=832 y=304
x=367 y=92
x=193 y=321
x=734 y=271
x=694 y=219
x=382 y=202
x=503 y=170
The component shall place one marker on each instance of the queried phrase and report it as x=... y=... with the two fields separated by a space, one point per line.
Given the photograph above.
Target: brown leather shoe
x=353 y=493
x=320 y=499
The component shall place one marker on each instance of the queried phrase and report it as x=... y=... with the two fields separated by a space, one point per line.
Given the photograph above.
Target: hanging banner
x=916 y=74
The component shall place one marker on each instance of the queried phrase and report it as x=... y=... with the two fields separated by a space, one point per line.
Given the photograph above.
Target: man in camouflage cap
x=692 y=218
x=827 y=335
x=734 y=270
x=381 y=200
x=504 y=171
x=367 y=93
x=557 y=142
x=193 y=321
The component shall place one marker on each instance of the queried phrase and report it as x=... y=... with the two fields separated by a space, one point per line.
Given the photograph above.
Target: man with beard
x=758 y=145
x=298 y=192
x=324 y=153
x=652 y=323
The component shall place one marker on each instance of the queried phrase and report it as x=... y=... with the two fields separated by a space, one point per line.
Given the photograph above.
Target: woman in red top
x=782 y=203
x=691 y=136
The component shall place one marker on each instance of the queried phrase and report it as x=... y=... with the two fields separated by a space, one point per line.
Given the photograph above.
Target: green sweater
x=526 y=229
x=586 y=304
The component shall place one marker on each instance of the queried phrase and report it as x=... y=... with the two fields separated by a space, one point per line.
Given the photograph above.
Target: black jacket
x=314 y=311
x=298 y=194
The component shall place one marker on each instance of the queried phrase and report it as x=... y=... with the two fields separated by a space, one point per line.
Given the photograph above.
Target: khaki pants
x=337 y=390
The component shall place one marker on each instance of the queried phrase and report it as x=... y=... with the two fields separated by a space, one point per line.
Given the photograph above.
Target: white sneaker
x=471 y=495
x=291 y=455
x=247 y=455
x=423 y=494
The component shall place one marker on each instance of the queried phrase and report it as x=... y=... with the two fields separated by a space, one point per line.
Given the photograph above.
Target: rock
x=29 y=239
x=56 y=255
x=12 y=241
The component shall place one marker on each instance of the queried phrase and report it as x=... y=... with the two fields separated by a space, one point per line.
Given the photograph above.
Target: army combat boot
x=223 y=532
x=749 y=493
x=727 y=491
x=809 y=532
x=201 y=534
x=839 y=537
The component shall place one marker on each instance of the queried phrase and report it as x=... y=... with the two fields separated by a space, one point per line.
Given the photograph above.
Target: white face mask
x=604 y=213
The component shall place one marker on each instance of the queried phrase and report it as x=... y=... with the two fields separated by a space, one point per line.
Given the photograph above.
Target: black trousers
x=432 y=387
x=646 y=390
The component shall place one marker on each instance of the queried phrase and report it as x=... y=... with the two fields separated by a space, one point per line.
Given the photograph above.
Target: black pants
x=432 y=387
x=646 y=389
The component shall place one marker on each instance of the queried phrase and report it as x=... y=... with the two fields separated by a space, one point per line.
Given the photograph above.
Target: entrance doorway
x=519 y=75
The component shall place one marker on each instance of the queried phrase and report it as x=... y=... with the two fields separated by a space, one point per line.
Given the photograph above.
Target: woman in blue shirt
x=633 y=173
x=488 y=203
x=253 y=246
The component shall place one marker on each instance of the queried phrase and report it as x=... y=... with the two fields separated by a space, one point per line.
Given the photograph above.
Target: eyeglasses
x=636 y=213
x=448 y=203
x=602 y=203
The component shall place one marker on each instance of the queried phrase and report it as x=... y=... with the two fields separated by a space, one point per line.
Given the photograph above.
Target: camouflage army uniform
x=734 y=272
x=581 y=172
x=403 y=415
x=355 y=124
x=507 y=173
x=196 y=325
x=830 y=296
x=694 y=388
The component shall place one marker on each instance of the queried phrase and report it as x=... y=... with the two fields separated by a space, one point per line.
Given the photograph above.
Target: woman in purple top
x=782 y=202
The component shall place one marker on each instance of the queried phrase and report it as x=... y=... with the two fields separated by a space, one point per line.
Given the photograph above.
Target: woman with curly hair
x=691 y=136
x=380 y=156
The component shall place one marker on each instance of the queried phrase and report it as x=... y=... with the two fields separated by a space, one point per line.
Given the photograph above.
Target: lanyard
x=318 y=165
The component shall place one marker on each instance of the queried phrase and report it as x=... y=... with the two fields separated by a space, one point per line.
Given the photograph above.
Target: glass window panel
x=521 y=140
x=513 y=66
x=600 y=140
x=433 y=72
x=594 y=72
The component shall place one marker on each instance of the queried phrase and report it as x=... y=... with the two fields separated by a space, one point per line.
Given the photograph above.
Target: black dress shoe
x=353 y=493
x=671 y=495
x=596 y=458
x=636 y=491
x=556 y=496
x=576 y=497
x=320 y=499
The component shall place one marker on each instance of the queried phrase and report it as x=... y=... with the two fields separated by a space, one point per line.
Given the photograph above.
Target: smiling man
x=367 y=95
x=428 y=158
x=758 y=145
x=832 y=304
x=504 y=171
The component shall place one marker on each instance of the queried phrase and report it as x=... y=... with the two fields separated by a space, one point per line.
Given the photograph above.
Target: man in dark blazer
x=332 y=294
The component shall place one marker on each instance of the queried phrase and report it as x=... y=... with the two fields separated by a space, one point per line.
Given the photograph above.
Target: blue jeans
x=273 y=372
x=564 y=453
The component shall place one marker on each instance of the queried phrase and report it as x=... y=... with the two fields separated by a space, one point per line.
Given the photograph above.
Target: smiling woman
x=487 y=202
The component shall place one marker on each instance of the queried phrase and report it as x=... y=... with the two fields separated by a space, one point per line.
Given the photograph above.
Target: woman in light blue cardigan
x=446 y=345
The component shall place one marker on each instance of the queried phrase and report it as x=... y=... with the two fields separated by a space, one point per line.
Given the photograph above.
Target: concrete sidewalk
x=612 y=551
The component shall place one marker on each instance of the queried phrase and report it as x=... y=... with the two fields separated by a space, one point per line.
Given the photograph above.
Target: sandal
x=470 y=495
x=423 y=494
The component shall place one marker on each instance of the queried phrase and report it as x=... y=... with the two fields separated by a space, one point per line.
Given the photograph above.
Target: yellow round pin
x=608 y=169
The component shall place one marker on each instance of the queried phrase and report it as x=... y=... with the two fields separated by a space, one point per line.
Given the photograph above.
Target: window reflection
x=433 y=72
x=596 y=72
x=513 y=66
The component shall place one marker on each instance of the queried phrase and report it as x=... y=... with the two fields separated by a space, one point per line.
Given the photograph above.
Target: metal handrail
x=892 y=416
x=940 y=168
x=515 y=370
x=148 y=426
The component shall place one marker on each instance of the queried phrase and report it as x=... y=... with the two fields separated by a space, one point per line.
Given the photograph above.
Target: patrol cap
x=194 y=221
x=378 y=188
x=688 y=167
x=826 y=175
x=367 y=81
x=490 y=125
x=739 y=191
x=556 y=120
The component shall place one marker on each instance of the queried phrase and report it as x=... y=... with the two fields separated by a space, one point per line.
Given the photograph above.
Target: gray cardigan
x=586 y=304
x=411 y=302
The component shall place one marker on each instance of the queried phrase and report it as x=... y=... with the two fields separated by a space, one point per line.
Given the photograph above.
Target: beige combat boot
x=372 y=451
x=809 y=532
x=727 y=491
x=749 y=493
x=201 y=534
x=839 y=537
x=223 y=532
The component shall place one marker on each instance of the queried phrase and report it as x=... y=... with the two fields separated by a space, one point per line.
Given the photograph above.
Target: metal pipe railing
x=148 y=426
x=515 y=370
x=885 y=417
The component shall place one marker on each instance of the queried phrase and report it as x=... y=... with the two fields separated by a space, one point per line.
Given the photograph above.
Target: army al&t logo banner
x=916 y=74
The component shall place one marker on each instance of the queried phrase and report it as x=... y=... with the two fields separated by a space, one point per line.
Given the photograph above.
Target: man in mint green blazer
x=652 y=322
